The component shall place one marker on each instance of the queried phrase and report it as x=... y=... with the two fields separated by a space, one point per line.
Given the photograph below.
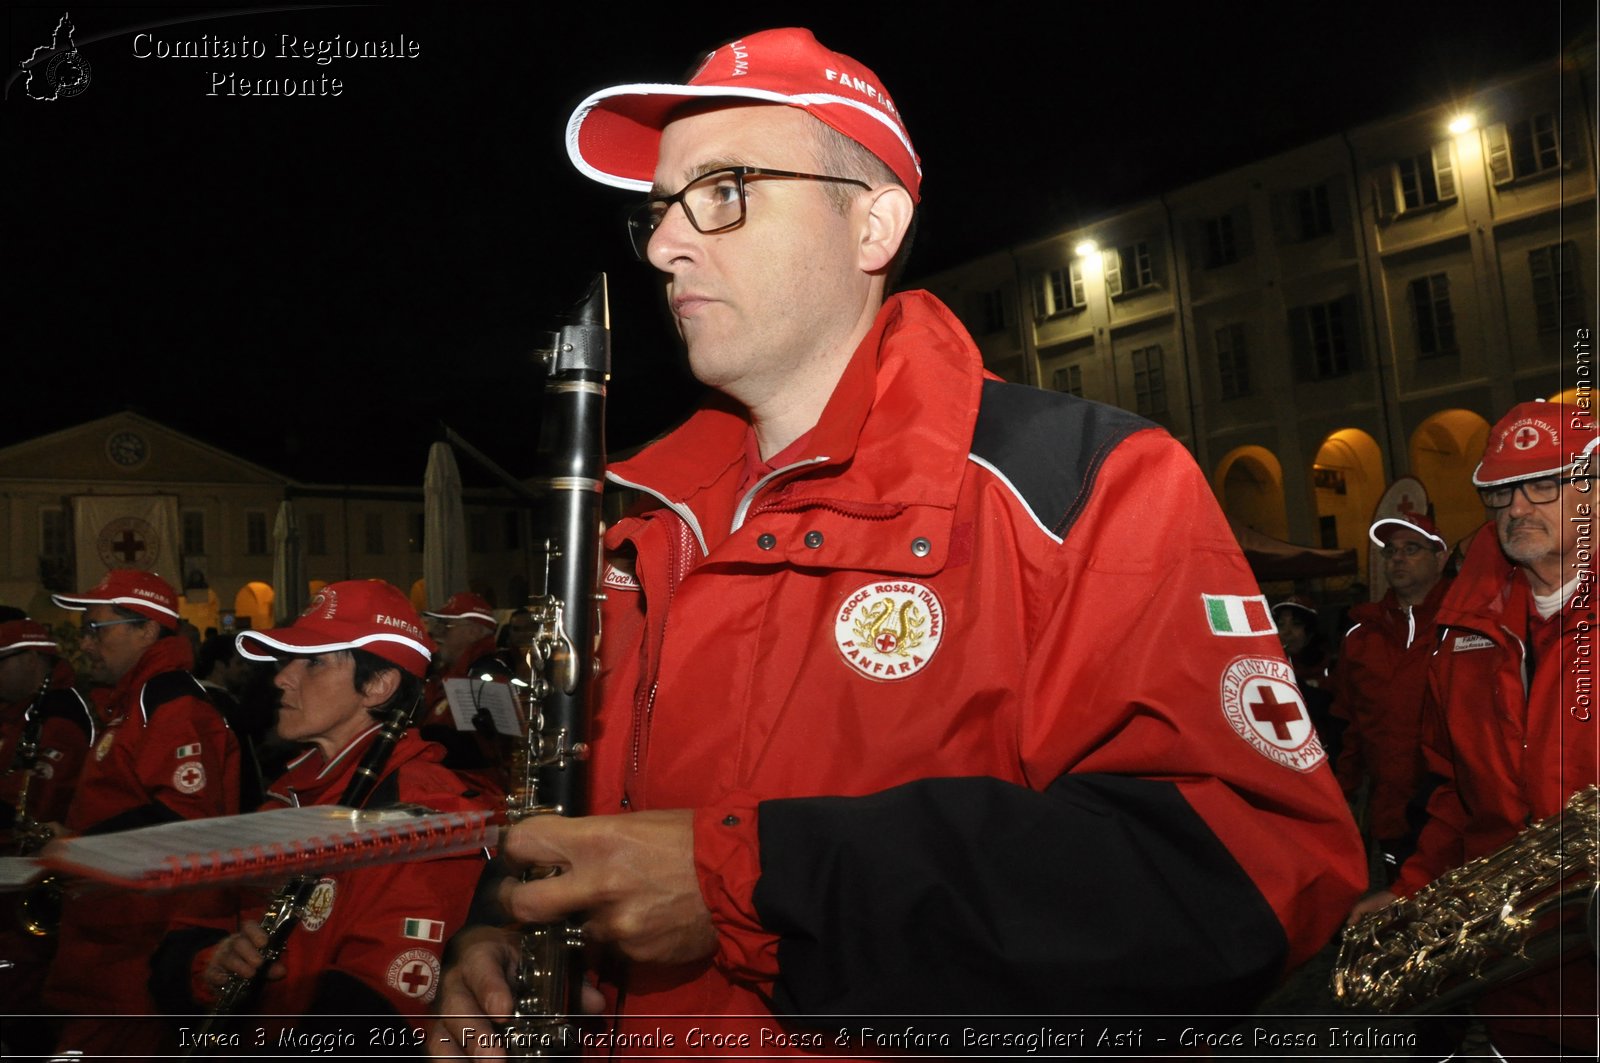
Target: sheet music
x=260 y=846
x=17 y=871
x=467 y=695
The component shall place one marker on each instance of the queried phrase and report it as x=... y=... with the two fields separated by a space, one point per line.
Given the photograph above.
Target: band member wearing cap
x=463 y=631
x=920 y=692
x=165 y=754
x=1379 y=680
x=40 y=711
x=369 y=941
x=1509 y=722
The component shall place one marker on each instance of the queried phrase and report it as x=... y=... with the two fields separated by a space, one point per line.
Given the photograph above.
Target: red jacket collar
x=1491 y=593
x=315 y=781
x=917 y=358
x=171 y=653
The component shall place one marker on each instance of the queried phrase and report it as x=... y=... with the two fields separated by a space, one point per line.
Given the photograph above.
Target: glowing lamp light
x=1463 y=123
x=1085 y=248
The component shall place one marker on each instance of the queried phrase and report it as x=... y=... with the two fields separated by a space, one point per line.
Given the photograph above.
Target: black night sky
x=316 y=282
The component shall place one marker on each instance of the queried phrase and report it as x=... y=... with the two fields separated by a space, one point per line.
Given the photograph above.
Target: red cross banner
x=126 y=531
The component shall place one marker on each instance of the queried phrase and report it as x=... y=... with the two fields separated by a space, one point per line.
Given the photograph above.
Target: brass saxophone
x=547 y=776
x=1481 y=924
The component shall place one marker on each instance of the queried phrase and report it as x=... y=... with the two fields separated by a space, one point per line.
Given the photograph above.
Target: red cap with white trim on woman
x=357 y=614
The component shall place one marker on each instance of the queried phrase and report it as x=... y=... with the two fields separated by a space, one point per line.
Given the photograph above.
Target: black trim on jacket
x=1102 y=894
x=1050 y=446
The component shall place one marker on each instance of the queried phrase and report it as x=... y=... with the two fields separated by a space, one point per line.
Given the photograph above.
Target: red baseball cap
x=19 y=635
x=1417 y=522
x=144 y=593
x=614 y=136
x=1537 y=439
x=1296 y=601
x=464 y=605
x=357 y=614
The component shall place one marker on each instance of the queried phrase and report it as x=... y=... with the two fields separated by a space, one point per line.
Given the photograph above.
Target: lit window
x=1422 y=180
x=1129 y=268
x=1522 y=149
x=1059 y=291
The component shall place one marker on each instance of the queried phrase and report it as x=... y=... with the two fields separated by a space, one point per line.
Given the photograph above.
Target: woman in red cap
x=369 y=940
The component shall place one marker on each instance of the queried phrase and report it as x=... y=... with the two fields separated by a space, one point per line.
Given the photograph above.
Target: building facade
x=127 y=491
x=1318 y=324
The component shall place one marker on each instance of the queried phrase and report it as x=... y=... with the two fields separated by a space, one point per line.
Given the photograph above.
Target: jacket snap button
x=767 y=542
x=730 y=821
x=813 y=539
x=921 y=547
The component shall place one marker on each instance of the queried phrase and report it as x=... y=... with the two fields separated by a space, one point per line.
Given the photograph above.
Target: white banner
x=126 y=531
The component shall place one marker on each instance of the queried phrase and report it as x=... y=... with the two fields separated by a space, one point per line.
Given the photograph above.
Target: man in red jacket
x=165 y=754
x=1379 y=681
x=1509 y=722
x=919 y=692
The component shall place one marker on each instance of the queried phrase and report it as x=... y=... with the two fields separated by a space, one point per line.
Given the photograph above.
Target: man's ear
x=380 y=688
x=886 y=212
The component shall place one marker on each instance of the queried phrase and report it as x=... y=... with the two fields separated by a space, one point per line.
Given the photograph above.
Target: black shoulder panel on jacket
x=68 y=705
x=169 y=686
x=1050 y=446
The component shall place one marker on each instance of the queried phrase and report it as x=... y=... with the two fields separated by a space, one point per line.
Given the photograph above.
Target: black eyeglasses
x=713 y=203
x=92 y=628
x=1539 y=491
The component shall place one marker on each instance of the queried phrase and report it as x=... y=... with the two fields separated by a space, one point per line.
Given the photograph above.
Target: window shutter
x=1383 y=195
x=1498 y=149
x=1112 y=261
x=1571 y=141
x=1075 y=274
x=1041 y=295
x=1444 y=175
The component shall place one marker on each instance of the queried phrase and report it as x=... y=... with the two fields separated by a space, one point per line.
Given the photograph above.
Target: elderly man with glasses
x=920 y=692
x=164 y=754
x=1510 y=720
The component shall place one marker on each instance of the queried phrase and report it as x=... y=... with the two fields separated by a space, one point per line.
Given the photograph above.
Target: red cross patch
x=1527 y=438
x=415 y=973
x=190 y=778
x=1263 y=705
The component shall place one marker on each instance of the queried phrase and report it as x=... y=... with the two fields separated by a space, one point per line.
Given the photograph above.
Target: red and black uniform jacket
x=1510 y=726
x=977 y=705
x=370 y=940
x=1378 y=687
x=165 y=754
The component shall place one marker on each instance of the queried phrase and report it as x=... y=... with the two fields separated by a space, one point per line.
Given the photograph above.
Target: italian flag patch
x=1233 y=614
x=424 y=929
x=188 y=751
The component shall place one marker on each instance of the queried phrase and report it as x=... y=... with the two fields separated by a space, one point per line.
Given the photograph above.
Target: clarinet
x=548 y=777
x=283 y=913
